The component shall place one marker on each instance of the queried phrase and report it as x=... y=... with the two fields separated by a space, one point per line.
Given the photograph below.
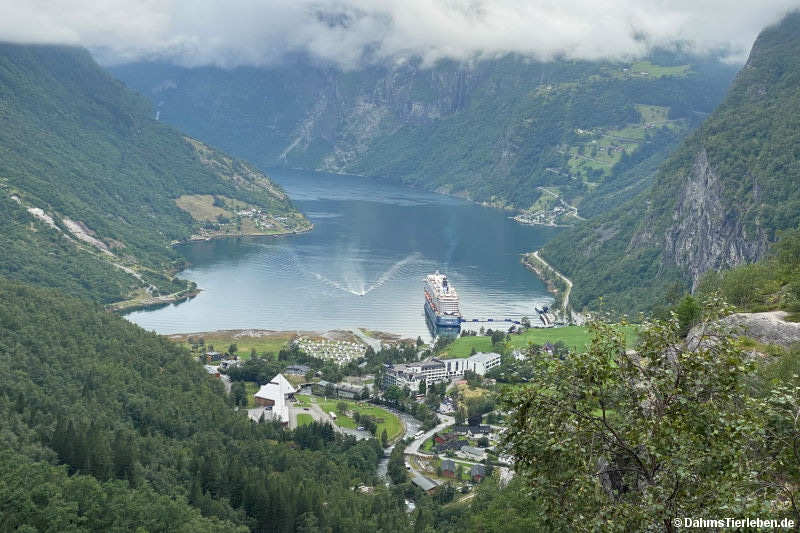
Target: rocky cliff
x=706 y=232
x=717 y=202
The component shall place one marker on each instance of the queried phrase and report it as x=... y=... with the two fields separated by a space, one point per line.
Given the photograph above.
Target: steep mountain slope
x=492 y=131
x=151 y=441
x=717 y=202
x=82 y=162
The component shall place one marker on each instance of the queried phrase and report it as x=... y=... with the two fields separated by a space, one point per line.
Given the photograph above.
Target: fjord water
x=361 y=267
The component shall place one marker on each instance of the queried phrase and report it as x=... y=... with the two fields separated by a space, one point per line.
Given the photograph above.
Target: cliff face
x=707 y=232
x=491 y=130
x=349 y=118
x=717 y=202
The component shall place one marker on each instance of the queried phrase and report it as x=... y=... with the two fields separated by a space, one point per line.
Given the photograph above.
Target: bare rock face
x=706 y=231
x=766 y=328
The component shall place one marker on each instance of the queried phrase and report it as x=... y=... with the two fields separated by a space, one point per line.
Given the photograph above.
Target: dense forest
x=106 y=426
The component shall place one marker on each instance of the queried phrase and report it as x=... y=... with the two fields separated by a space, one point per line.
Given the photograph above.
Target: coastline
x=533 y=262
x=135 y=304
x=203 y=238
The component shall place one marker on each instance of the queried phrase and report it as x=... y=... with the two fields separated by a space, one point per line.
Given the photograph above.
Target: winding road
x=566 y=280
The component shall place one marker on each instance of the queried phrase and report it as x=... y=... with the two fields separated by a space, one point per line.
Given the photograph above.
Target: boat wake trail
x=359 y=287
x=337 y=285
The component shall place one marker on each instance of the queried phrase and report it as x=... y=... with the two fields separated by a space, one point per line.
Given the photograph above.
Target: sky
x=353 y=33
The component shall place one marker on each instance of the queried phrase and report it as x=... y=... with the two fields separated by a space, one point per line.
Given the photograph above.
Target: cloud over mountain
x=353 y=32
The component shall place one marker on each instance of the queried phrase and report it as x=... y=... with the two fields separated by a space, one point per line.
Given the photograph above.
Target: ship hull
x=441 y=320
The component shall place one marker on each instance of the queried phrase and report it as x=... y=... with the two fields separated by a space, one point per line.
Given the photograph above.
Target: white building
x=438 y=370
x=273 y=398
x=482 y=362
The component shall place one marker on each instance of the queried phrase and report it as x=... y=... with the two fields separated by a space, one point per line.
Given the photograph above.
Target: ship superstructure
x=441 y=301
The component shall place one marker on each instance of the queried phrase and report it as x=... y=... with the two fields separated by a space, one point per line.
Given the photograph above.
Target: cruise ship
x=441 y=301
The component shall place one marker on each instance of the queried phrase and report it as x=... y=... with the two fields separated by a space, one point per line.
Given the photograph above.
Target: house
x=477 y=473
x=297 y=370
x=437 y=370
x=340 y=390
x=213 y=356
x=474 y=431
x=454 y=445
x=229 y=363
x=288 y=388
x=471 y=452
x=274 y=397
x=351 y=392
x=424 y=483
x=448 y=468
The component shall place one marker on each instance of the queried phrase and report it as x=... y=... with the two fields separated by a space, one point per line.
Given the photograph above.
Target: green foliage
x=76 y=144
x=150 y=439
x=37 y=495
x=772 y=283
x=397 y=470
x=688 y=312
x=521 y=115
x=627 y=442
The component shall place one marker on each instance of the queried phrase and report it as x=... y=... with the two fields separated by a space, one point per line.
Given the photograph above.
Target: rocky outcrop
x=766 y=328
x=707 y=232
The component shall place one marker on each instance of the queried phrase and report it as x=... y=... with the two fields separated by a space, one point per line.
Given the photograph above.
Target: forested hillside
x=492 y=130
x=107 y=427
x=717 y=202
x=85 y=171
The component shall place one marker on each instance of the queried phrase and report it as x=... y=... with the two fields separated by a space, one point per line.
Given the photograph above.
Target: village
x=453 y=449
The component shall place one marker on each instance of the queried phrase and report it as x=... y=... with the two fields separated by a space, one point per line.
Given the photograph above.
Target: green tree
x=461 y=416
x=626 y=441
x=781 y=443
x=384 y=439
x=239 y=394
x=688 y=312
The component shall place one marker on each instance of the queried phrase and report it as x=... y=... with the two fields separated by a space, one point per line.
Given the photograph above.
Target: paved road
x=565 y=303
x=413 y=448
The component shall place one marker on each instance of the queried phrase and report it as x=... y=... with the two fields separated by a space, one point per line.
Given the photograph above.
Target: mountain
x=107 y=427
x=93 y=191
x=494 y=131
x=719 y=200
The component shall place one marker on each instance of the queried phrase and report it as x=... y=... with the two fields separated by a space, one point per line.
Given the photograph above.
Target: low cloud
x=352 y=33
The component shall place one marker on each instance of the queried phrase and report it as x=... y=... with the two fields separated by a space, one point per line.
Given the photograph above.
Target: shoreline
x=538 y=266
x=258 y=333
x=127 y=306
x=200 y=238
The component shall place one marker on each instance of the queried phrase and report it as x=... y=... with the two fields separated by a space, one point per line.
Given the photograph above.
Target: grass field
x=660 y=71
x=304 y=419
x=576 y=337
x=303 y=400
x=391 y=423
x=221 y=341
